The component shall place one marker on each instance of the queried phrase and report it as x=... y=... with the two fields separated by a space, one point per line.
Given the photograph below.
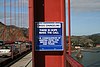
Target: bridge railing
x=72 y=62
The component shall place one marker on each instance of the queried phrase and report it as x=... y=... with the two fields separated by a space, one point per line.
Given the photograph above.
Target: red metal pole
x=18 y=16
x=15 y=12
x=22 y=17
x=21 y=14
x=4 y=19
x=10 y=14
x=31 y=28
x=10 y=27
x=69 y=29
x=18 y=13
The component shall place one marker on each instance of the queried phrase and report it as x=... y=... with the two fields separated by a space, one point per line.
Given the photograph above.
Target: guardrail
x=72 y=62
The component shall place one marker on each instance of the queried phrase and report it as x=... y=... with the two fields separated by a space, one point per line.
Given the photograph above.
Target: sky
x=19 y=12
x=85 y=15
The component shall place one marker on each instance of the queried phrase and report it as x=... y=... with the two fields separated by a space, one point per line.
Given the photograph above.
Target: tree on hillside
x=95 y=38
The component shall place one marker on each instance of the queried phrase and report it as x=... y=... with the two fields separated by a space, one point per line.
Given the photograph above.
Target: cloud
x=85 y=5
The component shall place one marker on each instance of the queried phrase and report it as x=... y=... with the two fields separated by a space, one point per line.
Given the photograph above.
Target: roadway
x=2 y=59
x=24 y=62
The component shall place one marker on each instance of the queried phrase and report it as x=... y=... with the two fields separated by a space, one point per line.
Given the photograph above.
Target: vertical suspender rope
x=24 y=22
x=21 y=16
x=14 y=34
x=18 y=12
x=69 y=29
x=10 y=27
x=18 y=15
x=4 y=20
x=21 y=12
x=15 y=11
x=10 y=14
x=11 y=17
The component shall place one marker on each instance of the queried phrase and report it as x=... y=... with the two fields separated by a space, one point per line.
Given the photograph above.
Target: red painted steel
x=72 y=62
x=31 y=28
x=18 y=13
x=4 y=19
x=52 y=11
x=15 y=12
x=11 y=16
x=69 y=29
x=49 y=11
x=21 y=12
x=31 y=20
x=19 y=16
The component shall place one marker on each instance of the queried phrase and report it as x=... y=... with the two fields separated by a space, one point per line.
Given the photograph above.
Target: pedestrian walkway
x=24 y=62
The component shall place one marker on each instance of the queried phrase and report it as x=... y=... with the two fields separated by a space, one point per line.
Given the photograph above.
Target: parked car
x=1 y=42
x=5 y=51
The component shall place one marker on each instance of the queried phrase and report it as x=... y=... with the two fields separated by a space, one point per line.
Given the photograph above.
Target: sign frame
x=62 y=36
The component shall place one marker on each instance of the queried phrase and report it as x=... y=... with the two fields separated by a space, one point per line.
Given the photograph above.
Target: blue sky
x=24 y=11
x=85 y=16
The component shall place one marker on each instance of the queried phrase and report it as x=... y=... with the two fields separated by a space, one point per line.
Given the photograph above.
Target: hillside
x=12 y=33
x=86 y=40
x=97 y=34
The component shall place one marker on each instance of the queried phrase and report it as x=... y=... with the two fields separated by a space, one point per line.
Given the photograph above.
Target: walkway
x=24 y=62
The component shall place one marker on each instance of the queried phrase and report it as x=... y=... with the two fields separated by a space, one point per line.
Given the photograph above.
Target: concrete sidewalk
x=24 y=62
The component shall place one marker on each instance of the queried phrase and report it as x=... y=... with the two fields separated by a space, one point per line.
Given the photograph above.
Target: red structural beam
x=31 y=28
x=69 y=29
x=72 y=62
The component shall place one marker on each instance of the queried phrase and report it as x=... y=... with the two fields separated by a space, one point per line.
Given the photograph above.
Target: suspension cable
x=23 y=13
x=21 y=16
x=4 y=20
x=15 y=11
x=18 y=16
x=10 y=17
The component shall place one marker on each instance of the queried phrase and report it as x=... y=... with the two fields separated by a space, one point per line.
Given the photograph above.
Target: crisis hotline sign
x=49 y=36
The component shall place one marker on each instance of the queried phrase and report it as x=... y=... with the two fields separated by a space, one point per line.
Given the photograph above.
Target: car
x=5 y=51
x=1 y=42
